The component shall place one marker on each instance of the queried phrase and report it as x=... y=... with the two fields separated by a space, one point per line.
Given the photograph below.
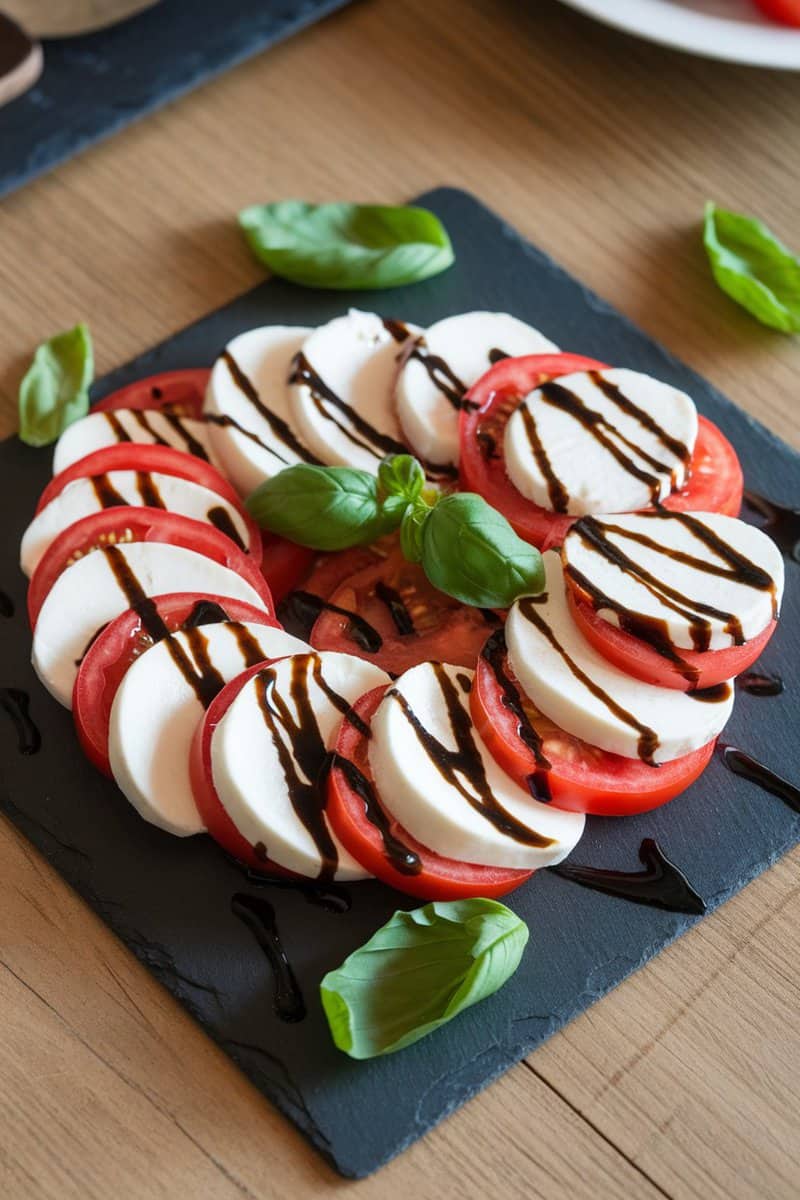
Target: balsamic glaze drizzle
x=6 y=605
x=759 y=683
x=402 y=857
x=280 y=428
x=259 y=916
x=220 y=518
x=303 y=608
x=751 y=769
x=494 y=654
x=16 y=705
x=331 y=897
x=783 y=523
x=661 y=884
x=398 y=610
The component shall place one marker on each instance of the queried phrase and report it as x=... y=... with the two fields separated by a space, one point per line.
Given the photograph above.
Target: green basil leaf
x=470 y=551
x=55 y=389
x=753 y=268
x=401 y=475
x=411 y=528
x=326 y=508
x=419 y=971
x=352 y=246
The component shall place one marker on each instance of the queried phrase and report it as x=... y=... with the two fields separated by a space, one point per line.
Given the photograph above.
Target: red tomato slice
x=716 y=483
x=495 y=396
x=121 y=642
x=581 y=778
x=376 y=840
x=715 y=474
x=786 y=12
x=124 y=524
x=636 y=657
x=134 y=456
x=400 y=619
x=217 y=821
x=182 y=392
x=284 y=564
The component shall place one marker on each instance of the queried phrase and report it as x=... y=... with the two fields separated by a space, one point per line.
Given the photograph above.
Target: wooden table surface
x=684 y=1081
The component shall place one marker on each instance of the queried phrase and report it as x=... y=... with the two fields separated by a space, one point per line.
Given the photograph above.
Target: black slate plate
x=96 y=84
x=169 y=900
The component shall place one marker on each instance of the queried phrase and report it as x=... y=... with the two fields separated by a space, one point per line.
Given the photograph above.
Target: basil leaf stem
x=55 y=389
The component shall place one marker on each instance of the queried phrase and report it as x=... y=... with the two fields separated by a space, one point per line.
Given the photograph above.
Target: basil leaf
x=357 y=246
x=753 y=268
x=401 y=475
x=411 y=528
x=470 y=551
x=55 y=389
x=419 y=971
x=326 y=508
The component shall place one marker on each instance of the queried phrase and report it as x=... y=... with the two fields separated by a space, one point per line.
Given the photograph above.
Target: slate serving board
x=169 y=900
x=96 y=84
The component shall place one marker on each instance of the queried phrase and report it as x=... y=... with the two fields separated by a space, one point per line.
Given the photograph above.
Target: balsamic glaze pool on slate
x=16 y=705
x=332 y=897
x=760 y=683
x=782 y=523
x=259 y=916
x=661 y=884
x=751 y=769
x=6 y=605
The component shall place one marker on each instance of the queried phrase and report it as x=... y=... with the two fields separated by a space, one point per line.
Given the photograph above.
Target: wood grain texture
x=684 y=1081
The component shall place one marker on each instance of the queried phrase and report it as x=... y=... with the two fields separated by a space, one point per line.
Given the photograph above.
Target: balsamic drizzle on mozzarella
x=148 y=426
x=279 y=428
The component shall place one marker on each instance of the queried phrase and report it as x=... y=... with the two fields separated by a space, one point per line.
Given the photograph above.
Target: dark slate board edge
x=52 y=152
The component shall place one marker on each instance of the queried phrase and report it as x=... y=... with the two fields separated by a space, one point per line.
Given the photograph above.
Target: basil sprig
x=55 y=389
x=419 y=971
x=753 y=267
x=467 y=549
x=350 y=246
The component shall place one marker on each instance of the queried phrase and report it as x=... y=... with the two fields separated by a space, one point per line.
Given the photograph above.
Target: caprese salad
x=384 y=727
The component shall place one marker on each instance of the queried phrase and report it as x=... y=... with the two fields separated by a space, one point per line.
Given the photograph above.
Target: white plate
x=732 y=30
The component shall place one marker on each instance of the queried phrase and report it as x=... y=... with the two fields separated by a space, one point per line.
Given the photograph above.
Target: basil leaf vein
x=421 y=969
x=753 y=267
x=54 y=391
x=350 y=246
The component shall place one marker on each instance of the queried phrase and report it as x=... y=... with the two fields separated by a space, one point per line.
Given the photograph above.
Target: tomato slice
x=182 y=392
x=389 y=614
x=284 y=564
x=715 y=481
x=581 y=777
x=786 y=12
x=636 y=657
x=121 y=642
x=380 y=844
x=489 y=404
x=124 y=524
x=217 y=821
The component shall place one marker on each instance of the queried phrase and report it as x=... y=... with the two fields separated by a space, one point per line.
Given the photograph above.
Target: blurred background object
x=66 y=18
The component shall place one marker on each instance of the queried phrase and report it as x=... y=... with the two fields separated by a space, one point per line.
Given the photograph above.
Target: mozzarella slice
x=581 y=691
x=342 y=391
x=85 y=496
x=272 y=743
x=437 y=778
x=441 y=368
x=100 y=429
x=87 y=595
x=247 y=406
x=159 y=703
x=701 y=572
x=600 y=441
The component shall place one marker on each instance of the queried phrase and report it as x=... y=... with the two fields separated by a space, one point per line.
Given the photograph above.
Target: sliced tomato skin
x=446 y=630
x=509 y=380
x=439 y=878
x=114 y=650
x=124 y=524
x=181 y=391
x=716 y=482
x=634 y=656
x=284 y=564
x=217 y=821
x=582 y=778
x=786 y=12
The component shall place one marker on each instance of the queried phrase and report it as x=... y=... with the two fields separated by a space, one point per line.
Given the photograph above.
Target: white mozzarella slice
x=149 y=426
x=600 y=442
x=159 y=703
x=87 y=595
x=261 y=768
x=453 y=355
x=581 y=691
x=342 y=395
x=85 y=496
x=247 y=403
x=687 y=571
x=436 y=777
